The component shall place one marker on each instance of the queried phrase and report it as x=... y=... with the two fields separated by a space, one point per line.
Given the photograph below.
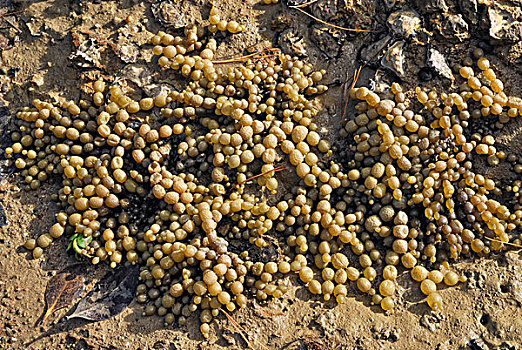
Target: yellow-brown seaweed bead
x=408 y=260
x=496 y=85
x=422 y=96
x=234 y=27
x=364 y=284
x=451 y=278
x=385 y=107
x=489 y=74
x=428 y=286
x=436 y=276
x=387 y=304
x=99 y=86
x=56 y=230
x=387 y=288
x=306 y=274
x=474 y=83
x=486 y=100
x=37 y=252
x=352 y=273
x=44 y=240
x=435 y=301
x=419 y=273
x=466 y=72
x=314 y=287
x=389 y=272
x=483 y=63
x=373 y=99
x=30 y=244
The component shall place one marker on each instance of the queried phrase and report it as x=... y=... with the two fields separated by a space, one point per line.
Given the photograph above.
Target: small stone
x=38 y=79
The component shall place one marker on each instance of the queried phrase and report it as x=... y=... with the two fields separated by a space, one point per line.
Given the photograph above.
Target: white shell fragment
x=438 y=62
x=405 y=23
x=394 y=58
x=503 y=26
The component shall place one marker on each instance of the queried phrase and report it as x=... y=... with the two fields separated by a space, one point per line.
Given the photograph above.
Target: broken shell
x=169 y=13
x=292 y=43
x=453 y=27
x=503 y=25
x=405 y=23
x=370 y=50
x=328 y=40
x=128 y=53
x=87 y=55
x=437 y=61
x=394 y=58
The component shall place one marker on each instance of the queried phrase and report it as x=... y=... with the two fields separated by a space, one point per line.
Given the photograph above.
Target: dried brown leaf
x=110 y=296
x=61 y=291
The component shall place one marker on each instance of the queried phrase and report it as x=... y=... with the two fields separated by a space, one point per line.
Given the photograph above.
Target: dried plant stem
x=376 y=53
x=332 y=25
x=240 y=329
x=507 y=243
x=303 y=5
x=244 y=58
x=356 y=76
x=11 y=13
x=279 y=168
x=346 y=92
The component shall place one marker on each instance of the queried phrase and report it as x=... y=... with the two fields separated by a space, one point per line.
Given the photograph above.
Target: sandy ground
x=39 y=57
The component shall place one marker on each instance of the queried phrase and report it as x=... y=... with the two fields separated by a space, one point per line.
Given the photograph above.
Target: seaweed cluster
x=187 y=184
x=414 y=180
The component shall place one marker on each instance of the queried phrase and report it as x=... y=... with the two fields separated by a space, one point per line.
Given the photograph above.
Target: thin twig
x=11 y=13
x=511 y=244
x=356 y=75
x=243 y=58
x=333 y=25
x=303 y=5
x=376 y=53
x=279 y=168
x=240 y=330
x=267 y=56
x=236 y=59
